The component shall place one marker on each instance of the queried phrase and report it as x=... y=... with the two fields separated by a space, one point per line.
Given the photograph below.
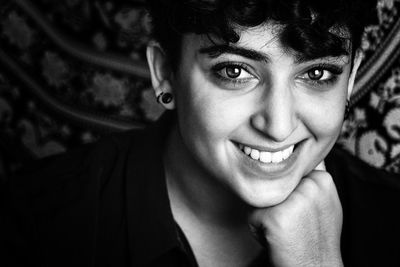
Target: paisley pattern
x=74 y=70
x=372 y=131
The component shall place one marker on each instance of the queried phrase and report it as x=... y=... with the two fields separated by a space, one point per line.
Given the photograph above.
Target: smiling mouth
x=266 y=156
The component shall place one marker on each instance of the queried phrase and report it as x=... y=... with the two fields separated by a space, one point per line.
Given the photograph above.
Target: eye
x=234 y=75
x=317 y=74
x=321 y=74
x=234 y=72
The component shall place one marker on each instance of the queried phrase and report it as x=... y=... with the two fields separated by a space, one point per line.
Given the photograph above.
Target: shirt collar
x=151 y=227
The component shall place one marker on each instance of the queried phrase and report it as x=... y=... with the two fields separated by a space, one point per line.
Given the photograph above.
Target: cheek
x=324 y=116
x=210 y=110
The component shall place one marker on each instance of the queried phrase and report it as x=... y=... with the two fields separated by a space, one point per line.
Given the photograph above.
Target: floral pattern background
x=75 y=70
x=372 y=131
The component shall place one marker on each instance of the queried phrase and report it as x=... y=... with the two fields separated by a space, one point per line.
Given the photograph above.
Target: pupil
x=233 y=72
x=315 y=74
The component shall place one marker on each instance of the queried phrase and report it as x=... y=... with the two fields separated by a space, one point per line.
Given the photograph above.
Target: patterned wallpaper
x=373 y=130
x=74 y=70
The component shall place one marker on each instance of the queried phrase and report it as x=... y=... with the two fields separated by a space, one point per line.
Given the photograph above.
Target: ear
x=160 y=72
x=356 y=64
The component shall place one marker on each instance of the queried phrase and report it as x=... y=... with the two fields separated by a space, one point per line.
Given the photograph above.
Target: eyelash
x=333 y=69
x=222 y=66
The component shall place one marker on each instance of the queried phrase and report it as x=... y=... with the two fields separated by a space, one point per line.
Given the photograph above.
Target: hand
x=305 y=229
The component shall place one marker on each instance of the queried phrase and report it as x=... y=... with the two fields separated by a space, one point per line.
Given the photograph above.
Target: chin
x=264 y=198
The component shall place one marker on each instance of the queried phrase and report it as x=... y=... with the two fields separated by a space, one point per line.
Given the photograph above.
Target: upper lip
x=267 y=149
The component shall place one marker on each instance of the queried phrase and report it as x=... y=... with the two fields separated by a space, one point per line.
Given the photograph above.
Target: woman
x=234 y=173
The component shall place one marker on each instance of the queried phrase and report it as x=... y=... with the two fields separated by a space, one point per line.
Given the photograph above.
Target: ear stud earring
x=164 y=98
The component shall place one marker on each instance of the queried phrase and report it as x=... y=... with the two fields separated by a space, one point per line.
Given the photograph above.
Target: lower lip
x=271 y=169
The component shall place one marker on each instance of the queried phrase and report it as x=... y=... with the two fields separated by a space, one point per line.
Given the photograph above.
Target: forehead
x=264 y=38
x=261 y=37
x=260 y=43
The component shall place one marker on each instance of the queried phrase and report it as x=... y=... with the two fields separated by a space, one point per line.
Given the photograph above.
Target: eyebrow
x=215 y=51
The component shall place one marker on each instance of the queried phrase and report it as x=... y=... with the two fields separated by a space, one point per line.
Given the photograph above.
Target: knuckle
x=323 y=179
x=316 y=186
x=309 y=186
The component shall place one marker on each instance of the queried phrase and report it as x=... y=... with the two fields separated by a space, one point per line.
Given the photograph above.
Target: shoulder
x=365 y=187
x=347 y=168
x=77 y=175
x=62 y=201
x=85 y=171
x=370 y=199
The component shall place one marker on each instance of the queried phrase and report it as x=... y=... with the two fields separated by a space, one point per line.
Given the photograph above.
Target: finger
x=319 y=185
x=317 y=180
x=320 y=166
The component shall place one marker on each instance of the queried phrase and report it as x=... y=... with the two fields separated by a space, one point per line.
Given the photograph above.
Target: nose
x=276 y=117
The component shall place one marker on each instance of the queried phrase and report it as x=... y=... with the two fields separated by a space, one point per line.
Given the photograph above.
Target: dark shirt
x=106 y=204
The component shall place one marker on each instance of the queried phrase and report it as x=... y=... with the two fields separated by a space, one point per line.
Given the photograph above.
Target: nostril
x=259 y=122
x=277 y=129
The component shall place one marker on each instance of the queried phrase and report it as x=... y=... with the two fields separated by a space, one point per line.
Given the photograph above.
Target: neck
x=195 y=192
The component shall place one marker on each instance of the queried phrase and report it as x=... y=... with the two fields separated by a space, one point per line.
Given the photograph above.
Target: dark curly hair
x=310 y=28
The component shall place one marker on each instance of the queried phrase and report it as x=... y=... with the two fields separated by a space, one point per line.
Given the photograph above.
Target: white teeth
x=247 y=150
x=255 y=154
x=277 y=157
x=267 y=157
x=287 y=152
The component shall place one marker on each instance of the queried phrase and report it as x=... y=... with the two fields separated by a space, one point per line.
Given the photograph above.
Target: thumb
x=320 y=166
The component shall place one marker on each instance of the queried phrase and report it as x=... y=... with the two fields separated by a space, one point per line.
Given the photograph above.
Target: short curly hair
x=310 y=28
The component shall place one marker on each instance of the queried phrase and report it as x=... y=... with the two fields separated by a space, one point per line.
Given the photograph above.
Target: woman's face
x=256 y=117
